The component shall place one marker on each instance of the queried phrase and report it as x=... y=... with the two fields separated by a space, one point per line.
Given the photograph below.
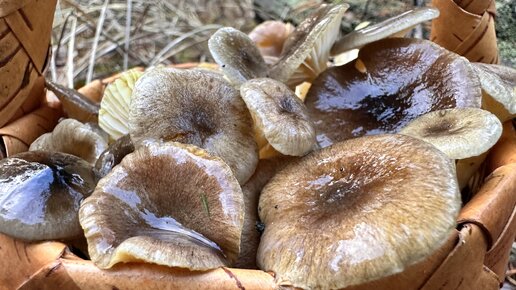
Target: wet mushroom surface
x=357 y=211
x=166 y=203
x=195 y=107
x=40 y=194
x=392 y=82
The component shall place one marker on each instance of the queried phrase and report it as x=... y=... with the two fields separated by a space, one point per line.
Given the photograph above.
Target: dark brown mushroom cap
x=392 y=82
x=237 y=55
x=166 y=203
x=114 y=154
x=306 y=51
x=40 y=194
x=386 y=28
x=279 y=115
x=357 y=211
x=195 y=107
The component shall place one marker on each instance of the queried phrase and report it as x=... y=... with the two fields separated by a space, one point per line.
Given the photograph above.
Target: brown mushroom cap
x=499 y=86
x=459 y=133
x=392 y=82
x=306 y=51
x=195 y=107
x=40 y=194
x=166 y=203
x=269 y=36
x=279 y=115
x=357 y=211
x=237 y=55
x=72 y=137
x=386 y=28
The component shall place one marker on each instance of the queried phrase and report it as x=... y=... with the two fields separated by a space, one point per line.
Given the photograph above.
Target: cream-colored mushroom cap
x=195 y=107
x=357 y=211
x=306 y=51
x=171 y=204
x=384 y=29
x=280 y=115
x=499 y=87
x=72 y=137
x=459 y=133
x=237 y=55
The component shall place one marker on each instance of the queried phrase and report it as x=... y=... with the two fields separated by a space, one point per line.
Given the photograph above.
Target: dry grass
x=92 y=39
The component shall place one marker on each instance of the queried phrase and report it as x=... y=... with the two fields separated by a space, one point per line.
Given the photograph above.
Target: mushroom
x=392 y=82
x=392 y=26
x=463 y=134
x=195 y=107
x=499 y=89
x=72 y=137
x=279 y=115
x=237 y=55
x=114 y=107
x=75 y=104
x=40 y=194
x=306 y=51
x=168 y=203
x=269 y=36
x=357 y=211
x=265 y=170
x=114 y=154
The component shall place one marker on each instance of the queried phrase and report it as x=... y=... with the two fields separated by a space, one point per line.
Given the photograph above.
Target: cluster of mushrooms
x=330 y=162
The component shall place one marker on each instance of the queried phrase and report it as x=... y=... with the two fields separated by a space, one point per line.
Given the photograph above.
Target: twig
x=71 y=44
x=91 y=66
x=127 y=32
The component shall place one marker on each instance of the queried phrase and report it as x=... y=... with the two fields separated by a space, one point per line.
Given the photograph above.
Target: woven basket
x=25 y=27
x=475 y=256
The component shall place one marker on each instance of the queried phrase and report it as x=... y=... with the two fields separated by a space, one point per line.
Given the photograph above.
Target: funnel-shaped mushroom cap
x=237 y=55
x=499 y=83
x=72 y=137
x=269 y=36
x=280 y=115
x=392 y=82
x=357 y=211
x=195 y=107
x=40 y=194
x=386 y=28
x=166 y=203
x=114 y=107
x=305 y=53
x=459 y=133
